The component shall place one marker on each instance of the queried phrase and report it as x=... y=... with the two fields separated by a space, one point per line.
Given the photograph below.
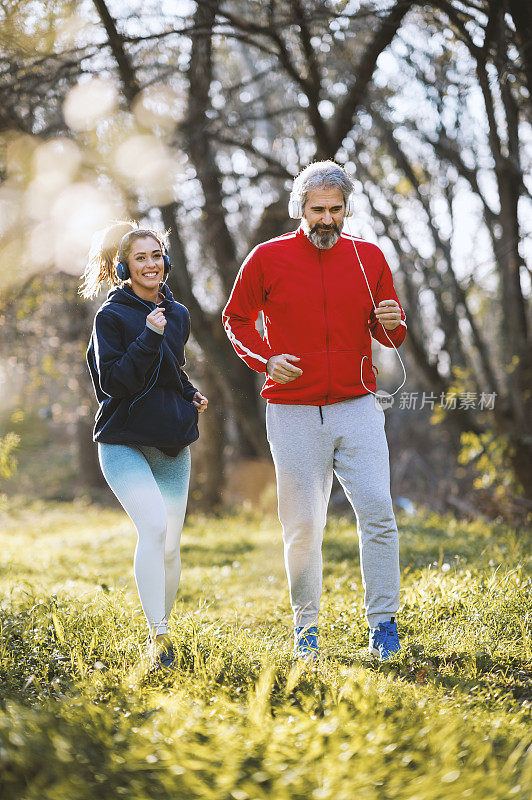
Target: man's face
x=323 y=216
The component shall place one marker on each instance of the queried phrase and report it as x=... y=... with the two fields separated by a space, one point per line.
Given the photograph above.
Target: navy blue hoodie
x=145 y=396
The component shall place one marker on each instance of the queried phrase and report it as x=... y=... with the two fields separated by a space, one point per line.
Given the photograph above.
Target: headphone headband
x=143 y=231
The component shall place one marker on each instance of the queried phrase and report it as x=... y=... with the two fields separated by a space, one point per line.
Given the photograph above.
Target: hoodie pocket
x=312 y=383
x=346 y=369
x=163 y=416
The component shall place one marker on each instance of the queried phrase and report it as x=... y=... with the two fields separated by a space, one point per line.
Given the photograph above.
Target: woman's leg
x=172 y=475
x=130 y=477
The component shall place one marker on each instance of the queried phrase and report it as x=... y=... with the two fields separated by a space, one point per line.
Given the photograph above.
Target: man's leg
x=361 y=463
x=303 y=456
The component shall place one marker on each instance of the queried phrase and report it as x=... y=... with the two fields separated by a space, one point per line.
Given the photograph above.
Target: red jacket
x=315 y=305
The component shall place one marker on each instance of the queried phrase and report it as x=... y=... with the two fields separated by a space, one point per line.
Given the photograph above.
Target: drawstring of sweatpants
x=321 y=414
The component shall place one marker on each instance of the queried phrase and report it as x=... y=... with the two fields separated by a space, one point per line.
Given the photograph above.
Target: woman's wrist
x=154 y=327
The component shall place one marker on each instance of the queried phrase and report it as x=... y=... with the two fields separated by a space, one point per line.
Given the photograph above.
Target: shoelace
x=390 y=634
x=307 y=640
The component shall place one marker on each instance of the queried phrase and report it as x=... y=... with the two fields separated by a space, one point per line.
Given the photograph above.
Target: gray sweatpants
x=350 y=441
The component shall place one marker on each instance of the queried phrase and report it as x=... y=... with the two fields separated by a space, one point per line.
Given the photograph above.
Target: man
x=320 y=416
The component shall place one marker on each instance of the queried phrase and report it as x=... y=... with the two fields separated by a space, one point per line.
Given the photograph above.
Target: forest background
x=195 y=117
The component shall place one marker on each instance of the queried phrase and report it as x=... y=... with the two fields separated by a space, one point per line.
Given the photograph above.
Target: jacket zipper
x=155 y=374
x=326 y=329
x=151 y=383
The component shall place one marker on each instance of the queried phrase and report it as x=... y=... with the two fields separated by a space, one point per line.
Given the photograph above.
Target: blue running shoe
x=162 y=657
x=384 y=640
x=306 y=643
x=167 y=657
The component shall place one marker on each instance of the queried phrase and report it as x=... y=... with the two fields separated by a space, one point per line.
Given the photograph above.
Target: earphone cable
x=384 y=329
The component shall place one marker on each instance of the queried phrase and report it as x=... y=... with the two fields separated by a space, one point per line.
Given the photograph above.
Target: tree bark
x=234 y=378
x=521 y=12
x=207 y=480
x=124 y=64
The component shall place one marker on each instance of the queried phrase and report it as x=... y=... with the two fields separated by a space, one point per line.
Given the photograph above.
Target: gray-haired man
x=315 y=287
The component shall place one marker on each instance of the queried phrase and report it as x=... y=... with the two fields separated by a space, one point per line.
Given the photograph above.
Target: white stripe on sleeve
x=234 y=340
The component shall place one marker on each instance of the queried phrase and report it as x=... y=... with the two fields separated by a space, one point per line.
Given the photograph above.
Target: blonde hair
x=105 y=252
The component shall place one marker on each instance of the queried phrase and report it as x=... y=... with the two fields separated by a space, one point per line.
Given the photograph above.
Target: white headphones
x=295 y=207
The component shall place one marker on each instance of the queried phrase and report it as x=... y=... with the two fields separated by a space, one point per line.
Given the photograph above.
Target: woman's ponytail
x=101 y=264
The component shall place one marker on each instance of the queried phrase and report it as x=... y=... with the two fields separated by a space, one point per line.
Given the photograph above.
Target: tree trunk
x=89 y=472
x=206 y=492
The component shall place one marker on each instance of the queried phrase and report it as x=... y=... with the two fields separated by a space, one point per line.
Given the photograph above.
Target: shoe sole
x=158 y=667
x=376 y=653
x=305 y=656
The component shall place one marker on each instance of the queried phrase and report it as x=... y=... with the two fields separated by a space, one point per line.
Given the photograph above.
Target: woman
x=148 y=409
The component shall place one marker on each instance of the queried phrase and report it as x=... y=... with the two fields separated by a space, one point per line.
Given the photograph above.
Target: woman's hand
x=157 y=318
x=200 y=402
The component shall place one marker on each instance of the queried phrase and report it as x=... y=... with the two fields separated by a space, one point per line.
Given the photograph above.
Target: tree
x=499 y=359
x=200 y=123
x=282 y=34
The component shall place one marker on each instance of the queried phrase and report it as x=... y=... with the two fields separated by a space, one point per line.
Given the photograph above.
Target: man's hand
x=281 y=370
x=200 y=402
x=389 y=313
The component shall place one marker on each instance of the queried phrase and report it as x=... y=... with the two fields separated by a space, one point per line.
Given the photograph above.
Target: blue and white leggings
x=152 y=488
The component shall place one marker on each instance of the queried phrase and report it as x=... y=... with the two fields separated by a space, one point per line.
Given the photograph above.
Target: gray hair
x=321 y=174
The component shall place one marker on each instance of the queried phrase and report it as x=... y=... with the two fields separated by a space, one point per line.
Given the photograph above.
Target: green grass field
x=450 y=717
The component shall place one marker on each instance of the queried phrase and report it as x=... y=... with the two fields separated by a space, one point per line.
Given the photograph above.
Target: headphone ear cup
x=295 y=208
x=167 y=264
x=122 y=271
x=350 y=206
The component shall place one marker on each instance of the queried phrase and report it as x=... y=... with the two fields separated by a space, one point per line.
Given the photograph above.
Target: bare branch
x=343 y=119
x=116 y=42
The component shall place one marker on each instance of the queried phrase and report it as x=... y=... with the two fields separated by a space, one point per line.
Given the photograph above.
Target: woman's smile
x=146 y=267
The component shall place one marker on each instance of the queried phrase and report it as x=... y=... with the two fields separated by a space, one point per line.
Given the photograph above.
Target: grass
x=81 y=719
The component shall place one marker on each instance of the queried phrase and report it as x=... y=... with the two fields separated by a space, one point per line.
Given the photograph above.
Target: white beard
x=323 y=240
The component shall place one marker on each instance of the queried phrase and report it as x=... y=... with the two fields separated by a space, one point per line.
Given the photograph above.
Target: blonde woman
x=148 y=409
